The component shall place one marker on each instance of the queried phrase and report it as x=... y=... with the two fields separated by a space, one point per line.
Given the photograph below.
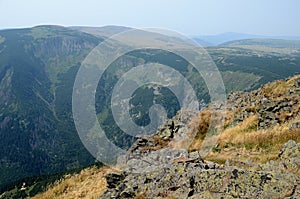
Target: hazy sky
x=192 y=17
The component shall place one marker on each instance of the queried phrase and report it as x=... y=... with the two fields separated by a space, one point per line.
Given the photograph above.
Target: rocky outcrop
x=174 y=130
x=180 y=174
x=243 y=104
x=152 y=168
x=154 y=171
x=272 y=112
x=295 y=125
x=269 y=108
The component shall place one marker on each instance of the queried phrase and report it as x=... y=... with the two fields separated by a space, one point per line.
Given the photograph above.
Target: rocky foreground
x=169 y=173
x=156 y=166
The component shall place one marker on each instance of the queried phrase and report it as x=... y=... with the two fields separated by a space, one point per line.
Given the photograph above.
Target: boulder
x=295 y=125
x=186 y=175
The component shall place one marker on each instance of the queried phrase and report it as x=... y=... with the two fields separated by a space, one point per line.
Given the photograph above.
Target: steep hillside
x=38 y=67
x=85 y=183
x=254 y=157
x=263 y=162
x=35 y=68
x=261 y=121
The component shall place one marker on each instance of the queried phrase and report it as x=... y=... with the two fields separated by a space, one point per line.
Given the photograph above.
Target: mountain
x=256 y=154
x=37 y=133
x=38 y=67
x=105 y=31
x=160 y=166
x=254 y=157
x=272 y=43
x=214 y=40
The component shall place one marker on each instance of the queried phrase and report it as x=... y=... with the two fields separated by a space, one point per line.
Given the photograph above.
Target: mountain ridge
x=38 y=67
x=219 y=39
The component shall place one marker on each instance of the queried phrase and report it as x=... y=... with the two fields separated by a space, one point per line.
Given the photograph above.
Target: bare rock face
x=152 y=171
x=270 y=109
x=175 y=129
x=188 y=176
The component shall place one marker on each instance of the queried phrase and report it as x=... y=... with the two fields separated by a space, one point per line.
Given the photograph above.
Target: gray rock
x=295 y=125
x=297 y=83
x=113 y=179
x=191 y=177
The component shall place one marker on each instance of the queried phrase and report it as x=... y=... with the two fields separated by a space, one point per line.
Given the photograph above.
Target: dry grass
x=89 y=183
x=279 y=88
x=159 y=143
x=238 y=131
x=140 y=196
x=245 y=142
x=200 y=125
x=229 y=116
x=286 y=115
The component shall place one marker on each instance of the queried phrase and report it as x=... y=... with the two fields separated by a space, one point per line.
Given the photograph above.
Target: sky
x=191 y=17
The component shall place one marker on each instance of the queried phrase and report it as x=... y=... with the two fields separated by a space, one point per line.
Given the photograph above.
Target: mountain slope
x=272 y=43
x=37 y=72
x=34 y=128
x=250 y=159
x=105 y=31
x=158 y=166
x=214 y=40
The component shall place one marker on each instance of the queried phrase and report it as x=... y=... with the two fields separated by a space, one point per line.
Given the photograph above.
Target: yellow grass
x=245 y=142
x=238 y=131
x=89 y=183
x=279 y=88
x=200 y=125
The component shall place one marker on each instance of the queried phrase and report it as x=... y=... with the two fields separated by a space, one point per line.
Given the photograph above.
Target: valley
x=38 y=67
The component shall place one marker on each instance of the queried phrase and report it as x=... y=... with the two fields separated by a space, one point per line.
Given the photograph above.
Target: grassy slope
x=243 y=141
x=89 y=183
x=86 y=183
